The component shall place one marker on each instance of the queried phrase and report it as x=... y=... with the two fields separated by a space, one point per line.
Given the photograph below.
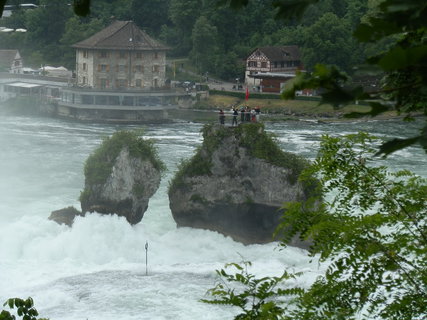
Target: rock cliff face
x=236 y=184
x=121 y=176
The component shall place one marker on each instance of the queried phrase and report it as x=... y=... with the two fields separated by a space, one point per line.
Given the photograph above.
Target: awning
x=23 y=85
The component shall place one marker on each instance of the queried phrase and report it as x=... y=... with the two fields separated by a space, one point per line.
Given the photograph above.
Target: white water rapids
x=96 y=269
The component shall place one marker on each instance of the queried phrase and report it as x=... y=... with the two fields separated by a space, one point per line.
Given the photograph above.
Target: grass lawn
x=278 y=106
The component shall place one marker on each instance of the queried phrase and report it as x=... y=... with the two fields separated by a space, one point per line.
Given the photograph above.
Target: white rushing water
x=96 y=269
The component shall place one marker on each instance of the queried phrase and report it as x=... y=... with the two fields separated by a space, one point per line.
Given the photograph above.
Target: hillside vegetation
x=216 y=39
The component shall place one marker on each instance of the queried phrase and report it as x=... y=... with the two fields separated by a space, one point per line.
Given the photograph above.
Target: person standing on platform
x=247 y=114
x=235 y=114
x=257 y=113
x=221 y=117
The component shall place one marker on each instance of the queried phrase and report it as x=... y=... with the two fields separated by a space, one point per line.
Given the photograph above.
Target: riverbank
x=276 y=109
x=206 y=110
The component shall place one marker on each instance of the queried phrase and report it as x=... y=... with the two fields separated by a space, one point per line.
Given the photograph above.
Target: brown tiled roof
x=281 y=53
x=121 y=35
x=7 y=57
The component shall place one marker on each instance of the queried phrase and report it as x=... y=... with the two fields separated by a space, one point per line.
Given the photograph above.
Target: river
x=97 y=268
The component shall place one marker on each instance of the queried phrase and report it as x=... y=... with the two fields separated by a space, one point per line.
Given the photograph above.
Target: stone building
x=282 y=61
x=121 y=56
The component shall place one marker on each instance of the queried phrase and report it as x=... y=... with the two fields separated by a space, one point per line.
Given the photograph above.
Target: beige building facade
x=120 y=57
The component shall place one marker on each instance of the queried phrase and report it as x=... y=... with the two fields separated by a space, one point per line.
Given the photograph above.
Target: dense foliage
x=254 y=296
x=371 y=233
x=217 y=38
x=24 y=308
x=250 y=136
x=402 y=67
x=99 y=164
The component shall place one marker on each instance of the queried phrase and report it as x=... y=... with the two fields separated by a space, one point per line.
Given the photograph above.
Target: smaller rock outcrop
x=121 y=176
x=237 y=183
x=65 y=216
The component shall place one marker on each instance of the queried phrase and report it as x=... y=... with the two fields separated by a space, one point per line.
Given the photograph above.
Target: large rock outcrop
x=121 y=176
x=236 y=184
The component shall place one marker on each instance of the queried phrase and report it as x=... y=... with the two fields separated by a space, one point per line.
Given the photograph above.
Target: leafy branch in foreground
x=262 y=298
x=403 y=68
x=24 y=309
x=372 y=231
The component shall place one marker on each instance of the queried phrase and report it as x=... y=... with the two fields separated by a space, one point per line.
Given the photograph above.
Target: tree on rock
x=236 y=184
x=121 y=176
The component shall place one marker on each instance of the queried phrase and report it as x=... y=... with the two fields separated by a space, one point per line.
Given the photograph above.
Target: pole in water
x=146 y=258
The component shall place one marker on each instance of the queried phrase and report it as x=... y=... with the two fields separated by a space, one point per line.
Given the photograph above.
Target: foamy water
x=97 y=268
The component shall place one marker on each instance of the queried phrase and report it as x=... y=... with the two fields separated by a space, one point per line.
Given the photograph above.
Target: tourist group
x=246 y=115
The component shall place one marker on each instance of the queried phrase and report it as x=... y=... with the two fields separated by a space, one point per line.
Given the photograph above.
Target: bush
x=100 y=163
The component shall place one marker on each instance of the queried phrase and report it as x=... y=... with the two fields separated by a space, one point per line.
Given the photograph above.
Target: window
x=122 y=68
x=139 y=68
x=263 y=64
x=127 y=101
x=16 y=63
x=252 y=64
x=103 y=68
x=121 y=83
x=275 y=64
x=156 y=68
x=85 y=54
x=282 y=64
x=84 y=67
x=138 y=83
x=101 y=100
x=104 y=84
x=84 y=80
x=86 y=99
x=113 y=100
x=156 y=55
x=103 y=54
x=139 y=55
x=122 y=55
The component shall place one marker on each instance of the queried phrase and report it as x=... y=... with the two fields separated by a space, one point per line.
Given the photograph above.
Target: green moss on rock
x=252 y=137
x=100 y=163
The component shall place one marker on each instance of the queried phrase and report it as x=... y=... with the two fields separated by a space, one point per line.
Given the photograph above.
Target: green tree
x=77 y=29
x=228 y=67
x=403 y=67
x=24 y=309
x=108 y=10
x=205 y=49
x=329 y=41
x=255 y=296
x=45 y=26
x=372 y=234
x=184 y=14
x=150 y=14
